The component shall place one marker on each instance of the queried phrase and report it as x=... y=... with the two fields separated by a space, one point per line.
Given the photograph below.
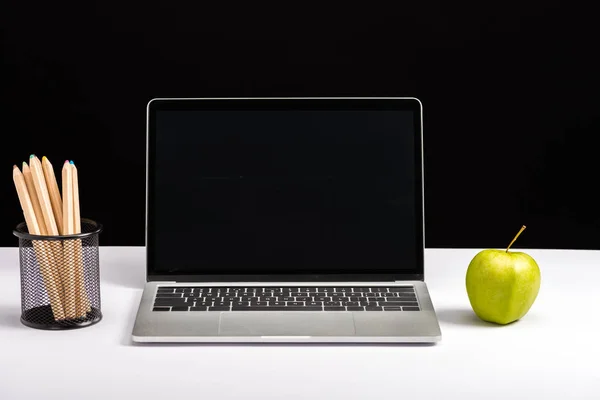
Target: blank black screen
x=283 y=192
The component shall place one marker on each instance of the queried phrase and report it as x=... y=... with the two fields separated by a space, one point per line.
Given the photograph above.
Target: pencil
x=34 y=198
x=69 y=275
x=43 y=253
x=83 y=302
x=42 y=192
x=67 y=194
x=25 y=200
x=54 y=193
x=59 y=266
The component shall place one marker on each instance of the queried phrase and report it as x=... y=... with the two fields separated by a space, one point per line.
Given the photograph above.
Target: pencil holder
x=60 y=278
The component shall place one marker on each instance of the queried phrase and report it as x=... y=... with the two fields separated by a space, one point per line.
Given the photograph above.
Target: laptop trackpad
x=286 y=323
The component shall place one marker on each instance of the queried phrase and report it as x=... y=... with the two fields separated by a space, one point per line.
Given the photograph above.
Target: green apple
x=502 y=285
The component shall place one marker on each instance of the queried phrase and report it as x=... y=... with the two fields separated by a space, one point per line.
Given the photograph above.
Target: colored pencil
x=34 y=198
x=83 y=303
x=44 y=253
x=55 y=198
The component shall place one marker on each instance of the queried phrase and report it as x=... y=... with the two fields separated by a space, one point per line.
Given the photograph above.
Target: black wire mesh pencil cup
x=60 y=278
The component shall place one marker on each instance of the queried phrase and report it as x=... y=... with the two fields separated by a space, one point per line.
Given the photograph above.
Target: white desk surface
x=552 y=353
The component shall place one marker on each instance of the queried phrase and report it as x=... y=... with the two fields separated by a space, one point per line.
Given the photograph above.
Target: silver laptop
x=285 y=220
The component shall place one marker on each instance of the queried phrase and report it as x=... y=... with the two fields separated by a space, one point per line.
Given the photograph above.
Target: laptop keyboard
x=194 y=298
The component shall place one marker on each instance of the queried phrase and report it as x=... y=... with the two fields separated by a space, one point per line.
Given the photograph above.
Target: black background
x=510 y=93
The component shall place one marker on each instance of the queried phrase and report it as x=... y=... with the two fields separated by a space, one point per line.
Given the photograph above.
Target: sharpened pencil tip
x=44 y=158
x=15 y=167
x=32 y=156
x=24 y=164
x=72 y=162
x=66 y=161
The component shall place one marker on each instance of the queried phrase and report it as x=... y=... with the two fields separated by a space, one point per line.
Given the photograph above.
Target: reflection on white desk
x=552 y=353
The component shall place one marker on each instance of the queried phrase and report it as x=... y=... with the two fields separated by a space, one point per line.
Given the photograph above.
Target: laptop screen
x=284 y=187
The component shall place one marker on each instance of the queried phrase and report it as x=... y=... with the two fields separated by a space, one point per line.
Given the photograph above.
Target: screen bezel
x=320 y=103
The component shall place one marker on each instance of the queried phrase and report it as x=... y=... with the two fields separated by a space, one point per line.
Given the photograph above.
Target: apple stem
x=515 y=238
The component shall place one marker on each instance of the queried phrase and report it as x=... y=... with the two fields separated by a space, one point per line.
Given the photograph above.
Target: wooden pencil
x=34 y=198
x=25 y=200
x=54 y=192
x=83 y=302
x=43 y=252
x=69 y=275
x=67 y=195
x=59 y=266
x=42 y=191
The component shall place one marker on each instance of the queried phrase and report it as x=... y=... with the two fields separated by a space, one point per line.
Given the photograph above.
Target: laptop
x=285 y=220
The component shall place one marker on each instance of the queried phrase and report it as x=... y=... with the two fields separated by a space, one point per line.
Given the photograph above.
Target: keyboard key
x=198 y=308
x=350 y=303
x=179 y=308
x=410 y=309
x=362 y=289
x=276 y=303
x=355 y=308
x=221 y=304
x=212 y=298
x=407 y=297
x=259 y=303
x=379 y=289
x=295 y=303
x=325 y=289
x=268 y=299
x=332 y=303
x=161 y=309
x=277 y=309
x=387 y=294
x=169 y=302
x=314 y=303
x=392 y=308
x=402 y=289
x=401 y=303
x=314 y=294
x=241 y=303
x=343 y=289
x=338 y=293
x=354 y=294
x=373 y=308
x=335 y=308
x=323 y=298
x=296 y=294
x=340 y=298
x=220 y=308
x=287 y=298
x=373 y=299
x=307 y=289
x=230 y=298
x=247 y=298
x=303 y=298
x=171 y=295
